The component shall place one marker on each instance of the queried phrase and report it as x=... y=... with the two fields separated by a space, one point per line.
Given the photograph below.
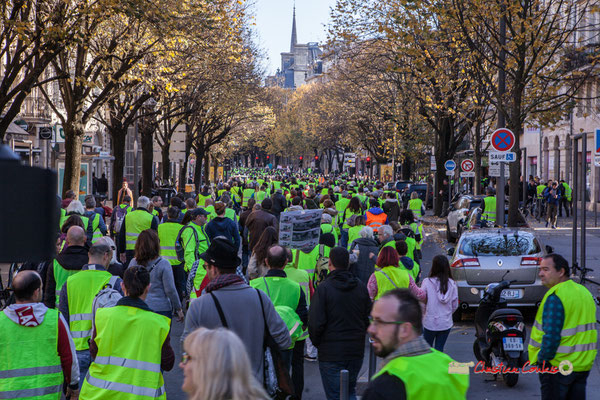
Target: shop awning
x=16 y=129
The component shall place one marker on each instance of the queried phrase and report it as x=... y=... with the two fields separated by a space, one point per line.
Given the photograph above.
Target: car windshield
x=416 y=188
x=500 y=244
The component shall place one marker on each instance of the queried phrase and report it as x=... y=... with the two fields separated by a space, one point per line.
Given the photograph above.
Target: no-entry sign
x=467 y=165
x=503 y=140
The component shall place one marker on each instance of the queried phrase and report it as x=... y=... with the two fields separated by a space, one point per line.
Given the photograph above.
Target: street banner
x=300 y=229
x=386 y=173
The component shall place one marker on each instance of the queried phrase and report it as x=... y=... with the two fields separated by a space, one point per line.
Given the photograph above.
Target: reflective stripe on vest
x=390 y=278
x=437 y=383
x=30 y=366
x=129 y=343
x=489 y=211
x=95 y=228
x=81 y=291
x=416 y=205
x=375 y=221
x=579 y=334
x=60 y=277
x=136 y=222
x=167 y=234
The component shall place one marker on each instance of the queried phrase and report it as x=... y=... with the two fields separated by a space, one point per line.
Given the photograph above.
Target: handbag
x=277 y=380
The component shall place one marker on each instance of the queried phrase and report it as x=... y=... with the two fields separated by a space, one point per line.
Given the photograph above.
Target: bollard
x=372 y=362
x=344 y=384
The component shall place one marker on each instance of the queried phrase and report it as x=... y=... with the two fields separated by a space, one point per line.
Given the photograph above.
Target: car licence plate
x=511 y=294
x=512 y=343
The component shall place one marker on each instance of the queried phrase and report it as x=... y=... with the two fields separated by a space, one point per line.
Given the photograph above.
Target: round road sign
x=450 y=165
x=503 y=140
x=467 y=165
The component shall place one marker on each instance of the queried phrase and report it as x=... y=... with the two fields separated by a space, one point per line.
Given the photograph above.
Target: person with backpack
x=77 y=297
x=363 y=254
x=290 y=303
x=118 y=216
x=162 y=297
x=407 y=263
x=167 y=235
x=96 y=220
x=391 y=207
x=134 y=223
x=130 y=346
x=348 y=218
x=442 y=301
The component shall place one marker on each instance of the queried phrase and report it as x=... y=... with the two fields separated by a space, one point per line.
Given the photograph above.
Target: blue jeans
x=344 y=238
x=563 y=387
x=330 y=375
x=84 y=358
x=438 y=336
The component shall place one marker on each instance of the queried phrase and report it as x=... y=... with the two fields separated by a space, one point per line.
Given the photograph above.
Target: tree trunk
x=73 y=143
x=199 y=153
x=147 y=135
x=118 y=150
x=184 y=167
x=406 y=169
x=166 y=162
x=477 y=160
x=216 y=169
x=206 y=165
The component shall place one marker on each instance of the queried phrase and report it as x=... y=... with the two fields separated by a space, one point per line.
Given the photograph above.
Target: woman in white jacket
x=442 y=301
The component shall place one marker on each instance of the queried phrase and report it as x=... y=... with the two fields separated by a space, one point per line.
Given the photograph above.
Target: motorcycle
x=500 y=334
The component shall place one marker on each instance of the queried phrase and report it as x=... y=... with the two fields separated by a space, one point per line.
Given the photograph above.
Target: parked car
x=421 y=189
x=458 y=215
x=490 y=255
x=475 y=222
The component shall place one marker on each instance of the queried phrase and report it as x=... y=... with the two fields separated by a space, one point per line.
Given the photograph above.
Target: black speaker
x=29 y=210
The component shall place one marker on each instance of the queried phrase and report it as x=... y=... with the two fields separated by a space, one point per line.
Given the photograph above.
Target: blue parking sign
x=450 y=165
x=597 y=141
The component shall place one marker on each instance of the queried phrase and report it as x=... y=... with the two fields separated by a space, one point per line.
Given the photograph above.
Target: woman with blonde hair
x=216 y=367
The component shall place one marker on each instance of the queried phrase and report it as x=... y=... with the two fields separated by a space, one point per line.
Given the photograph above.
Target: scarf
x=222 y=281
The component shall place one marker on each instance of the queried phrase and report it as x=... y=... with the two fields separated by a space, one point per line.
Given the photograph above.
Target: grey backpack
x=108 y=296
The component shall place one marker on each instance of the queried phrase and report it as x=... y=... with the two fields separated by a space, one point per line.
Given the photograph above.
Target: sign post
x=502 y=141
x=450 y=166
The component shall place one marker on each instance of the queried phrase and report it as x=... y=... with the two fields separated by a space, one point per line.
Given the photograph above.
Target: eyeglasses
x=185 y=357
x=376 y=322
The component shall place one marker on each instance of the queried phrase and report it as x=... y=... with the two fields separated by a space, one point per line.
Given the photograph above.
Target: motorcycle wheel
x=449 y=236
x=511 y=380
x=477 y=350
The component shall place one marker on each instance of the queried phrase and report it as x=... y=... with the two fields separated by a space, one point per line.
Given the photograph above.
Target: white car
x=458 y=215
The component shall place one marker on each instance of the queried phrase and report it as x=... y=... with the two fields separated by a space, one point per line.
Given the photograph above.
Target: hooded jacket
x=440 y=306
x=32 y=315
x=338 y=317
x=392 y=209
x=72 y=258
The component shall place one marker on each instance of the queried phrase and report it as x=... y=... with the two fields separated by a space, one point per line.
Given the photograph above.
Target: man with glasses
x=412 y=369
x=337 y=324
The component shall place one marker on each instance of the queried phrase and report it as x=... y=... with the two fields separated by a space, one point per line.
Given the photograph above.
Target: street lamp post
x=136 y=189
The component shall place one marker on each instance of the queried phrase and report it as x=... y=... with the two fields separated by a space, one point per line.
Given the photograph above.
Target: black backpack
x=180 y=248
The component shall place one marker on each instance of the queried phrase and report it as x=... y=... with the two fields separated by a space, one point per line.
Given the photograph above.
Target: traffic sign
x=45 y=132
x=449 y=173
x=467 y=165
x=469 y=174
x=494 y=170
x=597 y=141
x=503 y=139
x=450 y=165
x=507 y=156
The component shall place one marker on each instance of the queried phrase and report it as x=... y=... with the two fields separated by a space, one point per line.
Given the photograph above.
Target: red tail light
x=531 y=261
x=511 y=334
x=466 y=262
x=511 y=319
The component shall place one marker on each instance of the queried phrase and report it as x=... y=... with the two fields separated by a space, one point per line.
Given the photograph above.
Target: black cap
x=199 y=211
x=221 y=253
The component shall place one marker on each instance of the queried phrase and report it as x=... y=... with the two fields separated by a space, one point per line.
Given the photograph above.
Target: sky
x=274 y=26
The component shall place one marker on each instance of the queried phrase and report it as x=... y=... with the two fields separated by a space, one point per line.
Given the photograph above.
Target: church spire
x=294 y=35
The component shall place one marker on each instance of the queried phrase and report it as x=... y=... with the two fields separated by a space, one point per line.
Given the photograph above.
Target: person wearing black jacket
x=74 y=257
x=279 y=203
x=338 y=322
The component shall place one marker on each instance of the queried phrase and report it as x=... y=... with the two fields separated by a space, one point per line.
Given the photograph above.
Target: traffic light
x=268 y=157
x=368 y=159
x=300 y=158
x=316 y=158
x=256 y=158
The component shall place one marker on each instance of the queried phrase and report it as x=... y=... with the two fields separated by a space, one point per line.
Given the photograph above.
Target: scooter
x=500 y=334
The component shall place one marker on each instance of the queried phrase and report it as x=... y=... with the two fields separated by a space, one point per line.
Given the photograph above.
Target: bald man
x=35 y=340
x=67 y=263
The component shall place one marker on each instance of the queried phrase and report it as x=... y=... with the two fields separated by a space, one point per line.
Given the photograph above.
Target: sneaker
x=553 y=226
x=311 y=359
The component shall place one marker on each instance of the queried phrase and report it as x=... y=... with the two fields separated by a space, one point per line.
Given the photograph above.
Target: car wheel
x=449 y=237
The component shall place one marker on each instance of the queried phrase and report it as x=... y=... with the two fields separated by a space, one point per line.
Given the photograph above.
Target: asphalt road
x=460 y=342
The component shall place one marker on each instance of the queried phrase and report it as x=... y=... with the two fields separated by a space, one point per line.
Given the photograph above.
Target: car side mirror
x=451 y=251
x=549 y=249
